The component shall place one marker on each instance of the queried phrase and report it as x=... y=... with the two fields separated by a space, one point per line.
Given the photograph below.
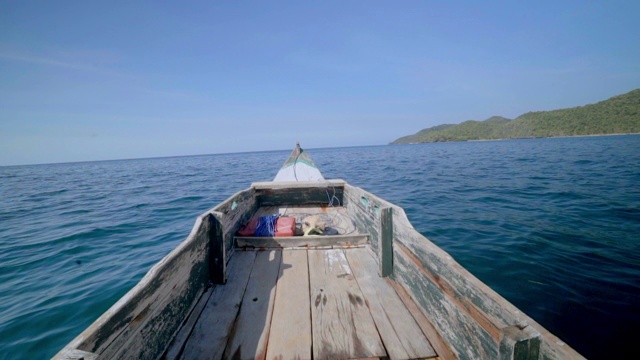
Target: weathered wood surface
x=232 y=214
x=296 y=210
x=290 y=335
x=476 y=321
x=520 y=343
x=472 y=318
x=153 y=310
x=177 y=344
x=275 y=185
x=436 y=340
x=467 y=337
x=302 y=193
x=552 y=347
x=211 y=332
x=341 y=322
x=302 y=241
x=251 y=331
x=401 y=335
x=365 y=208
x=75 y=354
x=385 y=248
x=217 y=252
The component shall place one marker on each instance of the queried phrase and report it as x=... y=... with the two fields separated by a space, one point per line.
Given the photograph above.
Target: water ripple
x=551 y=224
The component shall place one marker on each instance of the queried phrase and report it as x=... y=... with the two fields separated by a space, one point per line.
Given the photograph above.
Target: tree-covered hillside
x=617 y=115
x=410 y=139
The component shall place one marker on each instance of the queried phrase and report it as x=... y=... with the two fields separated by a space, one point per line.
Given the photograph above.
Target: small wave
x=627 y=214
x=49 y=193
x=516 y=214
x=76 y=212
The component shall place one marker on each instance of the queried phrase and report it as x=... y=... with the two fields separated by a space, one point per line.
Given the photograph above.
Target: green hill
x=410 y=139
x=617 y=115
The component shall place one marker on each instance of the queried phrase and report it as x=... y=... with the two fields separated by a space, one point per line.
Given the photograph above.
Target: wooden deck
x=303 y=304
x=306 y=297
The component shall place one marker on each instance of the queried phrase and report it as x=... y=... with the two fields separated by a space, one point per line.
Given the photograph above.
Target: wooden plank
x=211 y=332
x=552 y=347
x=401 y=335
x=290 y=335
x=341 y=322
x=364 y=208
x=327 y=247
x=298 y=193
x=385 y=248
x=299 y=196
x=251 y=331
x=233 y=213
x=75 y=354
x=301 y=241
x=520 y=343
x=465 y=310
x=471 y=316
x=140 y=323
x=467 y=337
x=177 y=344
x=297 y=184
x=217 y=260
x=435 y=339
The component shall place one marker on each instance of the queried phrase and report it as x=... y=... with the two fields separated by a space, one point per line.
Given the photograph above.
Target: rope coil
x=266 y=225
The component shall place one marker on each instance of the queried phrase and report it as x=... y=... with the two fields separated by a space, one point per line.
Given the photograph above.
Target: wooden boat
x=375 y=289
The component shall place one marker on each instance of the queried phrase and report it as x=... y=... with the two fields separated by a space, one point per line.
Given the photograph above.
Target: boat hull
x=463 y=317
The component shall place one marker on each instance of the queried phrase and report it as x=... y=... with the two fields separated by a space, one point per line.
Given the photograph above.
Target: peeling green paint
x=298 y=196
x=462 y=331
x=364 y=201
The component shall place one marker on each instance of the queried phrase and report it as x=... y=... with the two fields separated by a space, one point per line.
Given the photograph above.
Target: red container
x=285 y=226
x=250 y=228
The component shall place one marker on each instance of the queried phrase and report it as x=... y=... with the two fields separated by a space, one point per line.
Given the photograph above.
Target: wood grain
x=301 y=241
x=251 y=331
x=217 y=257
x=290 y=335
x=140 y=324
x=177 y=344
x=401 y=335
x=76 y=354
x=341 y=322
x=385 y=248
x=435 y=339
x=211 y=332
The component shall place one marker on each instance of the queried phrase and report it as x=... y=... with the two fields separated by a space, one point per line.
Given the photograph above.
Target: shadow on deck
x=303 y=304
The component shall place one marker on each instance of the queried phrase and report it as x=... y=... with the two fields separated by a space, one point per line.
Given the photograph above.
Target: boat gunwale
x=476 y=305
x=80 y=341
x=481 y=304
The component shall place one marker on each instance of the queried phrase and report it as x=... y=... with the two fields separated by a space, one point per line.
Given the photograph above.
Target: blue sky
x=122 y=79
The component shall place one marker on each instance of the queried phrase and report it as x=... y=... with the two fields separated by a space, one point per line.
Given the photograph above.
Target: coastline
x=520 y=138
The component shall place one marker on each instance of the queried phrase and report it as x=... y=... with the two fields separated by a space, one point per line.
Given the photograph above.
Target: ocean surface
x=553 y=225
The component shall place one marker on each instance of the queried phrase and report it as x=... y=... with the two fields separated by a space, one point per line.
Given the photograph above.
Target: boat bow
x=299 y=167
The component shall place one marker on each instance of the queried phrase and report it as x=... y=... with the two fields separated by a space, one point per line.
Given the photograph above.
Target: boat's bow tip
x=299 y=167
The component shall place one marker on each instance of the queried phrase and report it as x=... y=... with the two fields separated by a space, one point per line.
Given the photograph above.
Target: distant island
x=617 y=115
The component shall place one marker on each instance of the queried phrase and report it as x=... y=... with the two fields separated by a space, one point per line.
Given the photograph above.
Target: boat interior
x=370 y=286
x=305 y=297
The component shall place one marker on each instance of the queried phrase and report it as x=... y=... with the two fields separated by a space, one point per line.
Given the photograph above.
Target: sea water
x=553 y=225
